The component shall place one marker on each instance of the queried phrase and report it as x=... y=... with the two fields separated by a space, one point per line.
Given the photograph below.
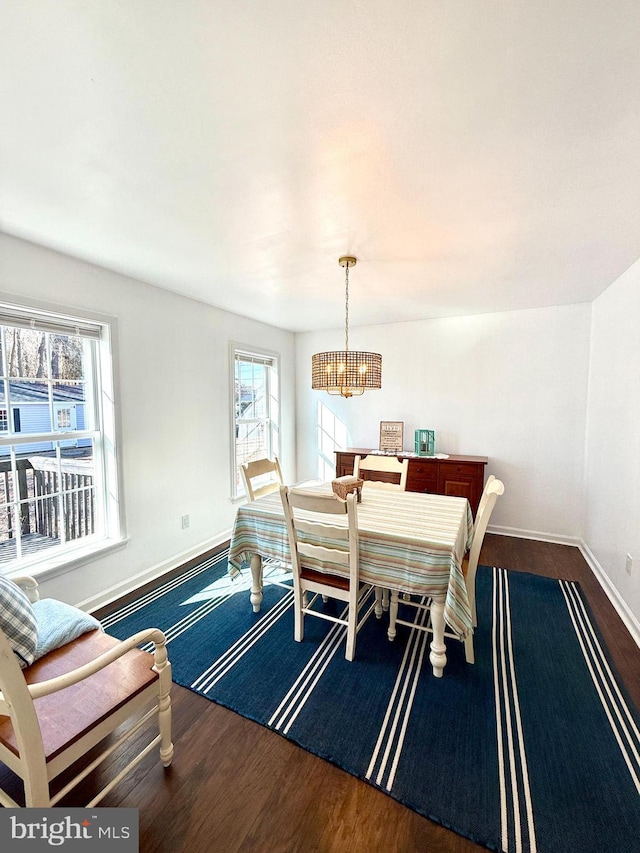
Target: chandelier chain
x=346 y=309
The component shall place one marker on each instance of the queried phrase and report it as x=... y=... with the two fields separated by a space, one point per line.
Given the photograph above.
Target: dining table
x=410 y=542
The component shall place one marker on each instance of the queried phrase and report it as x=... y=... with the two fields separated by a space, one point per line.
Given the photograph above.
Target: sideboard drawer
x=422 y=477
x=459 y=469
x=424 y=468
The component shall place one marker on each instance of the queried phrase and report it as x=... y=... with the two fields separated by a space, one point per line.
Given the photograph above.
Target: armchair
x=57 y=708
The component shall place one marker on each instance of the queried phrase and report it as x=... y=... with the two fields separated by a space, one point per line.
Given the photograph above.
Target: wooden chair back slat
x=323 y=555
x=381 y=471
x=259 y=469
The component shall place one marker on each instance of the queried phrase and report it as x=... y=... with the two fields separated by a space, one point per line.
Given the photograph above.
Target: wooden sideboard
x=460 y=476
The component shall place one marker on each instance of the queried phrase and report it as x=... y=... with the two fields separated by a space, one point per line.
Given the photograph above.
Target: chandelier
x=346 y=372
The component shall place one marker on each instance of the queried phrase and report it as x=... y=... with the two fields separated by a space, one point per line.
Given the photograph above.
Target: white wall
x=529 y=389
x=612 y=524
x=173 y=374
x=511 y=386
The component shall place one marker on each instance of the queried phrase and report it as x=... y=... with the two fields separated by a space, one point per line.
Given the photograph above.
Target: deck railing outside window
x=54 y=504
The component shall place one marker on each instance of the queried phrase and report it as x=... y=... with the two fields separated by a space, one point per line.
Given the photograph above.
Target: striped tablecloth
x=409 y=541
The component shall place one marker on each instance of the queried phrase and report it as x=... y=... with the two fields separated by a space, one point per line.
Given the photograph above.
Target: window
x=58 y=493
x=256 y=409
x=63 y=418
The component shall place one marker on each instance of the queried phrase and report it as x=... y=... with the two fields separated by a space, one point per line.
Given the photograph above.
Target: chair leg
x=350 y=651
x=164 y=723
x=378 y=607
x=299 y=601
x=469 y=654
x=36 y=790
x=470 y=581
x=163 y=668
x=393 y=614
x=353 y=615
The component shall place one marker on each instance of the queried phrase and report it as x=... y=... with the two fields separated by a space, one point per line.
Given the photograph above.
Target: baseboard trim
x=133 y=583
x=540 y=536
x=621 y=606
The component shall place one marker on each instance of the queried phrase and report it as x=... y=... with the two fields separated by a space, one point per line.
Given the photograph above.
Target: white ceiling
x=475 y=155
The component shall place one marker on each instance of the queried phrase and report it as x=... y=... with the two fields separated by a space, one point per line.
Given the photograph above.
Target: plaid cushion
x=18 y=622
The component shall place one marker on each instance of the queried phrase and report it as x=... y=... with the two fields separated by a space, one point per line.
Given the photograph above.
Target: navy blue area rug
x=534 y=748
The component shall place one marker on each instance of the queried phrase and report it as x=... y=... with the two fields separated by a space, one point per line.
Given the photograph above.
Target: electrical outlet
x=629 y=564
x=185 y=522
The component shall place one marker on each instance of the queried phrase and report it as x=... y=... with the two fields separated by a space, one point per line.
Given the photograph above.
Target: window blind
x=45 y=321
x=250 y=358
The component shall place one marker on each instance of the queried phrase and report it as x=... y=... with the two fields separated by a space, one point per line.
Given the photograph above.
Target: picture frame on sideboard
x=391 y=436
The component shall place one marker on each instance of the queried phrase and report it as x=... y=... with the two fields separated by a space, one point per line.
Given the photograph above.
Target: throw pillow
x=59 y=623
x=18 y=622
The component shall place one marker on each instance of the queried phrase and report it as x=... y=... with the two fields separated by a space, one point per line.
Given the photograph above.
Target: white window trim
x=109 y=420
x=274 y=357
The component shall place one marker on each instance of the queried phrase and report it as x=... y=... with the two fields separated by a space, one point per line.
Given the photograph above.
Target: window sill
x=48 y=567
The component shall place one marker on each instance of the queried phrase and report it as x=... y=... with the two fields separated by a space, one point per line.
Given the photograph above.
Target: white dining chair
x=261 y=477
x=335 y=547
x=492 y=490
x=386 y=472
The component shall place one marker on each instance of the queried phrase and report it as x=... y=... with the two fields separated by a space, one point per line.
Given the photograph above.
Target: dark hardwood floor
x=235 y=786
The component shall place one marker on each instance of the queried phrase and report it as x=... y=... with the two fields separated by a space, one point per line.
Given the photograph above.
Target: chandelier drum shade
x=346 y=372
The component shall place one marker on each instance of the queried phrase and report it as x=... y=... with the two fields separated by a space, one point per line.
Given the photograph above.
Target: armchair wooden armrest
x=154 y=635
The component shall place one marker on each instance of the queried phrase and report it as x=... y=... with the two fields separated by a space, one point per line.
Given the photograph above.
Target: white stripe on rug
x=219 y=668
x=299 y=693
x=622 y=704
x=524 y=770
x=398 y=752
x=513 y=771
x=417 y=641
x=178 y=628
x=498 y=708
x=501 y=675
x=158 y=592
x=593 y=656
